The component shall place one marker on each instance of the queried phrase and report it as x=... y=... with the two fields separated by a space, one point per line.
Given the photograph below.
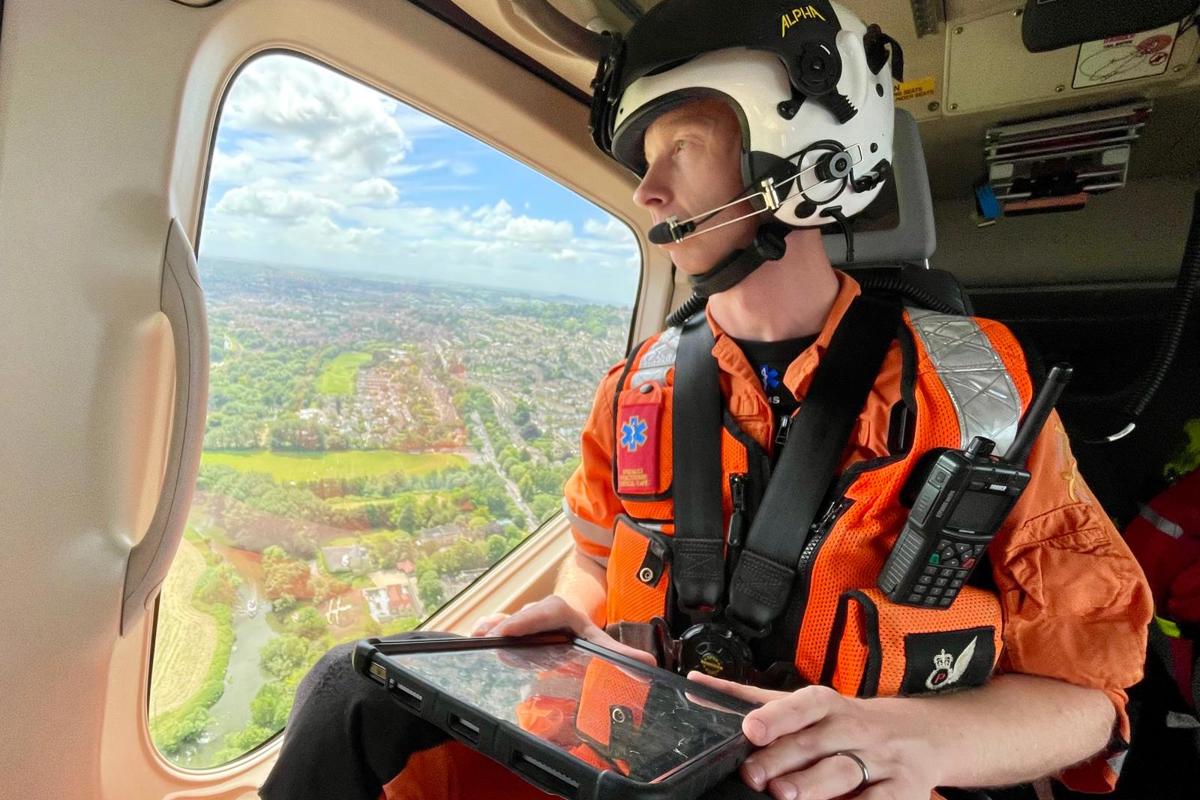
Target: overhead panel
x=988 y=67
x=1057 y=162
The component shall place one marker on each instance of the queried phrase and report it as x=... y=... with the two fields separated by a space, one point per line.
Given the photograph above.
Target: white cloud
x=498 y=221
x=375 y=191
x=338 y=122
x=267 y=198
x=231 y=168
x=611 y=229
x=315 y=170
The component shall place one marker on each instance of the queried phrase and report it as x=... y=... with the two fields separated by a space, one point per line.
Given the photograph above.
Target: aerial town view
x=372 y=446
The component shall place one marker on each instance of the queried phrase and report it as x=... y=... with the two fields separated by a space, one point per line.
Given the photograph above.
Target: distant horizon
x=313 y=169
x=403 y=278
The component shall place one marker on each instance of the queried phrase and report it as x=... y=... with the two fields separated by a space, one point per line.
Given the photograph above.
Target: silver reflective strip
x=983 y=393
x=658 y=359
x=1172 y=529
x=1182 y=721
x=590 y=531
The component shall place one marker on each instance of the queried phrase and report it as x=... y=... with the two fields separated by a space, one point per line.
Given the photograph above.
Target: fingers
x=751 y=694
x=806 y=748
x=486 y=623
x=792 y=712
x=599 y=637
x=550 y=614
x=833 y=776
x=555 y=614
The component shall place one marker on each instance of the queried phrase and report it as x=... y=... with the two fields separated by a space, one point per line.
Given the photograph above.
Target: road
x=489 y=455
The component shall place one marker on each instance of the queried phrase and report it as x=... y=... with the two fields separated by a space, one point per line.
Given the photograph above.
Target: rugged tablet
x=570 y=717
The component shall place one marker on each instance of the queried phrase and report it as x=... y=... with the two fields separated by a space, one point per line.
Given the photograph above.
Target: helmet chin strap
x=769 y=245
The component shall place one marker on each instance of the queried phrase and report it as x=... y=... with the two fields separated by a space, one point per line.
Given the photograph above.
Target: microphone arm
x=673 y=230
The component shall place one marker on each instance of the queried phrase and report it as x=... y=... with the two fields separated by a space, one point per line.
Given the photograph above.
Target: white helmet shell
x=829 y=155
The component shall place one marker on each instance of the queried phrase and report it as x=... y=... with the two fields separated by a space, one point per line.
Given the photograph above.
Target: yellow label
x=798 y=15
x=911 y=90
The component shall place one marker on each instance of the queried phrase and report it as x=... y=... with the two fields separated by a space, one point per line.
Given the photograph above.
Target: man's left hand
x=803 y=735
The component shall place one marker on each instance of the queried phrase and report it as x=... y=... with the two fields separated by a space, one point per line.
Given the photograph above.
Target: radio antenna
x=1039 y=412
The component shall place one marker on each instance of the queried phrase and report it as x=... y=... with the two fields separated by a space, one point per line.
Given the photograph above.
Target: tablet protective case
x=596 y=775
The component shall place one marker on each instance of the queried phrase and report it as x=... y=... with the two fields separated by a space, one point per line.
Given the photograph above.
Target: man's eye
x=680 y=145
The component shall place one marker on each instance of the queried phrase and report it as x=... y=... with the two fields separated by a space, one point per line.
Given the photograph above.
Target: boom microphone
x=672 y=230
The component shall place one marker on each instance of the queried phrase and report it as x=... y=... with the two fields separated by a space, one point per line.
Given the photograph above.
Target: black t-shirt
x=770 y=361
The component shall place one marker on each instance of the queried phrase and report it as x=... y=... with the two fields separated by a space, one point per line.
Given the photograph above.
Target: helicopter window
x=406 y=327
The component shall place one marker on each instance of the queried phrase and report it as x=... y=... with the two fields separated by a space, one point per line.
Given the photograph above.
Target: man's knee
x=333 y=674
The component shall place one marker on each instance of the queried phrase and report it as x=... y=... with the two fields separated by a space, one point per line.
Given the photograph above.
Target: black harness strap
x=698 y=556
x=765 y=572
x=766 y=569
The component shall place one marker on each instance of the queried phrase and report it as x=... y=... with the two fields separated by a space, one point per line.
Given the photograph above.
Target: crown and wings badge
x=947 y=669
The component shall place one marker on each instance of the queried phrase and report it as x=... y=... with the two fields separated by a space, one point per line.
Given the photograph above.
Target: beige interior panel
x=106 y=115
x=987 y=67
x=1134 y=234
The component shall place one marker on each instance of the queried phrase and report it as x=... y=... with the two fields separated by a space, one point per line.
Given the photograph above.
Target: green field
x=306 y=467
x=339 y=375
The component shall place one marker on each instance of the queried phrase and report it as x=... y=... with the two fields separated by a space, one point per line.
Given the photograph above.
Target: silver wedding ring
x=866 y=776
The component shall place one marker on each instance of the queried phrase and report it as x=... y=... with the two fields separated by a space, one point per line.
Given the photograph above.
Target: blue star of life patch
x=633 y=434
x=769 y=376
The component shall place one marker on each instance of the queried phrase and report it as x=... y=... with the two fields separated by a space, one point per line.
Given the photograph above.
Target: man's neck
x=783 y=299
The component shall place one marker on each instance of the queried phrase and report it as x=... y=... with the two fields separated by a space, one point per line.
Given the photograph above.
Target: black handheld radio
x=958 y=504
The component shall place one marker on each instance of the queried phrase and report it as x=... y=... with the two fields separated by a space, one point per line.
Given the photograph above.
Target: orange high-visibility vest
x=963 y=378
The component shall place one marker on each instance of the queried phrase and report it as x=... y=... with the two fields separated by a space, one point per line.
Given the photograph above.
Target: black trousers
x=347 y=737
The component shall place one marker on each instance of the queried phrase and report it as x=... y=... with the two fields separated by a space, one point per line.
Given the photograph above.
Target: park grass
x=186 y=639
x=171 y=730
x=340 y=375
x=354 y=501
x=302 y=467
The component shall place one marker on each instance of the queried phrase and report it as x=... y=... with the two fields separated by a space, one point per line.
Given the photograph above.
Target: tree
x=283 y=574
x=308 y=623
x=270 y=707
x=217 y=585
x=497 y=547
x=239 y=743
x=429 y=587
x=284 y=655
x=283 y=604
x=325 y=587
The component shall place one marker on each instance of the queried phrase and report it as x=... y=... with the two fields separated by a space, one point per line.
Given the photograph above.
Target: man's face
x=693 y=158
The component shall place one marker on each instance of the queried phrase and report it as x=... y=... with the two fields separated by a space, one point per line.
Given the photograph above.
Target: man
x=1065 y=629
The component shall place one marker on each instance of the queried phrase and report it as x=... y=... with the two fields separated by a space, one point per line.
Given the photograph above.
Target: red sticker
x=637 y=443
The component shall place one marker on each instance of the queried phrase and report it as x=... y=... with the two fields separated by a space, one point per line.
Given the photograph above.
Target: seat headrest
x=898 y=227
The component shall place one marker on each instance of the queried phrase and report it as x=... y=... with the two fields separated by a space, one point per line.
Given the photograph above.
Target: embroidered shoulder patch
x=945 y=660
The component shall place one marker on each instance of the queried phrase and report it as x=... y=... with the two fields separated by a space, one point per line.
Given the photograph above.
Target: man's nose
x=654 y=189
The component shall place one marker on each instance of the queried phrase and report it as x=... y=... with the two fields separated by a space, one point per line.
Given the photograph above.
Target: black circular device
x=715 y=650
x=820 y=68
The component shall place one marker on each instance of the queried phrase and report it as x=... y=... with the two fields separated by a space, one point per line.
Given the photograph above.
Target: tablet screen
x=641 y=724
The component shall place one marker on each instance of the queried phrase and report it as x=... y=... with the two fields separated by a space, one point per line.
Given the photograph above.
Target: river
x=243 y=678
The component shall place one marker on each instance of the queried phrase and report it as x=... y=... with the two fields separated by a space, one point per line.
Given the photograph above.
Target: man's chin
x=690 y=261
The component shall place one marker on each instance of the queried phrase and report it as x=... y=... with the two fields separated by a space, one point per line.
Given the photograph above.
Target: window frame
x=544 y=546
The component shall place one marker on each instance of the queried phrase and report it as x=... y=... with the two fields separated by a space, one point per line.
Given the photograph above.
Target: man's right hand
x=553 y=613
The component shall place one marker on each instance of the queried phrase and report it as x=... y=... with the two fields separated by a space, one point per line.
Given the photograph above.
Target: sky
x=313 y=169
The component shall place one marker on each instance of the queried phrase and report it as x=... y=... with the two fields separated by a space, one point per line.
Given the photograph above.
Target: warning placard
x=911 y=90
x=1125 y=58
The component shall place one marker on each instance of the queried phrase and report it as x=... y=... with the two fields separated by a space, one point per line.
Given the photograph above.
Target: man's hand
x=799 y=734
x=554 y=614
